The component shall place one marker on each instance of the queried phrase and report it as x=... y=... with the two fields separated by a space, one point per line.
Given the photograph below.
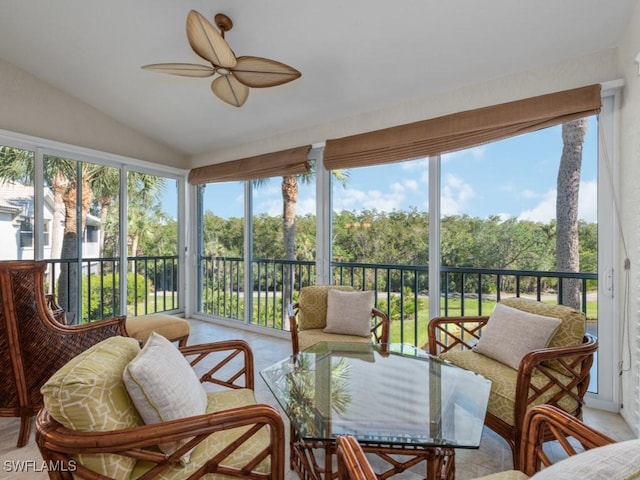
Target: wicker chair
x=307 y=320
x=542 y=423
x=557 y=375
x=32 y=344
x=236 y=437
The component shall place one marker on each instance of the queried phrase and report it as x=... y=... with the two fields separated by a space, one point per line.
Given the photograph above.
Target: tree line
x=401 y=238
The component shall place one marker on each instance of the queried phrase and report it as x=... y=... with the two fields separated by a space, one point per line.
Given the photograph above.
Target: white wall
x=32 y=107
x=630 y=216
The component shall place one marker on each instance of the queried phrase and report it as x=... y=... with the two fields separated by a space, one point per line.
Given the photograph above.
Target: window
x=380 y=240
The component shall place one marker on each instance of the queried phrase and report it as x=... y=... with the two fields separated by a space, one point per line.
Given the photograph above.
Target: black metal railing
x=402 y=291
x=152 y=286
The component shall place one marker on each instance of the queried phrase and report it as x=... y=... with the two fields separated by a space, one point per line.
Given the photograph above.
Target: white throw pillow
x=511 y=333
x=163 y=386
x=349 y=313
x=618 y=461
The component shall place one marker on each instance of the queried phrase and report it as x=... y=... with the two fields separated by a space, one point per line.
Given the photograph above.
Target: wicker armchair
x=236 y=437
x=32 y=344
x=556 y=375
x=307 y=320
x=542 y=423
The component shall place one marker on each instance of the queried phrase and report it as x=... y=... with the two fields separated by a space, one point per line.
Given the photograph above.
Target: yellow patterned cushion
x=313 y=305
x=503 y=383
x=88 y=394
x=570 y=332
x=310 y=337
x=218 y=401
x=508 y=475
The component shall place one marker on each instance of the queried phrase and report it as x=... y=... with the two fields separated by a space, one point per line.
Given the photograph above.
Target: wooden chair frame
x=576 y=360
x=379 y=326
x=542 y=423
x=59 y=445
x=33 y=345
x=545 y=423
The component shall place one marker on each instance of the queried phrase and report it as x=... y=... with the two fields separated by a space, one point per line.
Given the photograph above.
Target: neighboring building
x=16 y=225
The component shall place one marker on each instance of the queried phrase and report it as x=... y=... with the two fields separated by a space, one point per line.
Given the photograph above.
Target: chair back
x=352 y=462
x=312 y=305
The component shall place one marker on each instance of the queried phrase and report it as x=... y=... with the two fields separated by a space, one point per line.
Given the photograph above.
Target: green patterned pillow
x=88 y=394
x=313 y=305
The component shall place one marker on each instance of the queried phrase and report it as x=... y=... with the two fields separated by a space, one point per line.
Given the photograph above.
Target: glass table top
x=380 y=394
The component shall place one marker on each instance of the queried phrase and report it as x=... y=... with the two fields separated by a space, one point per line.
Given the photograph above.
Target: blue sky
x=512 y=178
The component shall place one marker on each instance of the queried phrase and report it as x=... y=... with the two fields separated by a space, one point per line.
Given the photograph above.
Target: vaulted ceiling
x=355 y=56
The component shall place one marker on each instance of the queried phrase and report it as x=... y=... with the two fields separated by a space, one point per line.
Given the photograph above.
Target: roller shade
x=286 y=162
x=461 y=130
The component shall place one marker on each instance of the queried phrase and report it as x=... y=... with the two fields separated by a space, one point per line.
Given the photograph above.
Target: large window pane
x=17 y=203
x=514 y=214
x=85 y=281
x=284 y=241
x=380 y=241
x=152 y=243
x=221 y=249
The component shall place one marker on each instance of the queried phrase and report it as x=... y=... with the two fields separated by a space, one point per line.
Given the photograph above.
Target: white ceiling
x=355 y=55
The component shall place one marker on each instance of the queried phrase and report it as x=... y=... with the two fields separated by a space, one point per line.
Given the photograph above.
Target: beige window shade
x=286 y=162
x=460 y=130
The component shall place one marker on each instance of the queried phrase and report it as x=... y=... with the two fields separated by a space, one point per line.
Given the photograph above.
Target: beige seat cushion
x=312 y=312
x=218 y=401
x=611 y=462
x=508 y=475
x=88 y=394
x=503 y=383
x=169 y=326
x=306 y=338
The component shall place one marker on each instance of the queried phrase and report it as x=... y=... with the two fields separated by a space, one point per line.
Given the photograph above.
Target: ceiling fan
x=235 y=74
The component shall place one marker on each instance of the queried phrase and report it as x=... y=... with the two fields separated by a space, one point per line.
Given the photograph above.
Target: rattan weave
x=32 y=344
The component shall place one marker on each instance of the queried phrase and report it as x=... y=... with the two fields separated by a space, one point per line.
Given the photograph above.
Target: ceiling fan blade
x=230 y=90
x=261 y=72
x=207 y=42
x=182 y=69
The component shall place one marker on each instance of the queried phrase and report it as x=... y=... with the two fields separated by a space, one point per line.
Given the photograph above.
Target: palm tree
x=97 y=184
x=289 y=202
x=568 y=187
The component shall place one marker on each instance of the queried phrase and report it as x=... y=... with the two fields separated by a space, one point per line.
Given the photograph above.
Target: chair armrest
x=222 y=353
x=576 y=362
x=380 y=326
x=352 y=462
x=546 y=422
x=292 y=310
x=447 y=333
x=141 y=443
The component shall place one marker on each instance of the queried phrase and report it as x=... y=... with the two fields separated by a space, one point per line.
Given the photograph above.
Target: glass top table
x=382 y=394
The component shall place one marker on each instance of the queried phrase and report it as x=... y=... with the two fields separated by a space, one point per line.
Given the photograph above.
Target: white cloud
x=455 y=195
x=545 y=210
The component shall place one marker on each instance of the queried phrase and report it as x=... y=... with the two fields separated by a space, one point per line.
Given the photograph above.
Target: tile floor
x=492 y=456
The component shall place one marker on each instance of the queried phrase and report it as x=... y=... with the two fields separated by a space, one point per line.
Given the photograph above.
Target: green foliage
x=107 y=288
